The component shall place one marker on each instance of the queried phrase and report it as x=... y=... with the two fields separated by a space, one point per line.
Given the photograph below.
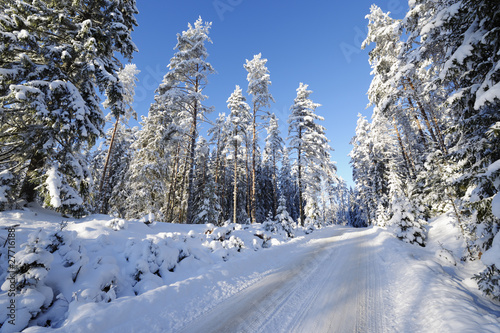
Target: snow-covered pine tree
x=206 y=203
x=356 y=217
x=471 y=75
x=32 y=264
x=311 y=146
x=219 y=136
x=239 y=120
x=150 y=171
x=405 y=217
x=127 y=77
x=288 y=185
x=384 y=93
x=161 y=175
x=258 y=86
x=283 y=218
x=361 y=157
x=184 y=83
x=121 y=155
x=55 y=55
x=265 y=186
x=274 y=149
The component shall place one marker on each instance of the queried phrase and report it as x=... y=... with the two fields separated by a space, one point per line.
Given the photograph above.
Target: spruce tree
x=274 y=150
x=258 y=86
x=127 y=77
x=239 y=119
x=184 y=84
x=56 y=59
x=310 y=144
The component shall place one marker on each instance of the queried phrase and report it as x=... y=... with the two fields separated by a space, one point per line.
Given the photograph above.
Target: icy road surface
x=334 y=285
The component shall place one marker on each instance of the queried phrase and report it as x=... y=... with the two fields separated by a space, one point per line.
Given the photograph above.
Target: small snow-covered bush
x=32 y=265
x=409 y=227
x=282 y=223
x=100 y=280
x=488 y=281
x=117 y=224
x=146 y=272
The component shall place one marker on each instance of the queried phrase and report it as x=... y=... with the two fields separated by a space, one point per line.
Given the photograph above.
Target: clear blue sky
x=315 y=42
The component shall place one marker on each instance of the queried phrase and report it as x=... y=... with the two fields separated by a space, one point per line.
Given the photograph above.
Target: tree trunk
x=248 y=180
x=438 y=139
x=235 y=189
x=438 y=131
x=420 y=131
x=254 y=149
x=108 y=158
x=217 y=171
x=173 y=184
x=28 y=189
x=301 y=204
x=190 y=206
x=182 y=187
x=275 y=187
x=403 y=150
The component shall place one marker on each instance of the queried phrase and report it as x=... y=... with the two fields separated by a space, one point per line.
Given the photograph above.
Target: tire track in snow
x=333 y=288
x=371 y=310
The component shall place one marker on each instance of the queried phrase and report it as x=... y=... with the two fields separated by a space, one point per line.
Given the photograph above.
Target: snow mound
x=64 y=265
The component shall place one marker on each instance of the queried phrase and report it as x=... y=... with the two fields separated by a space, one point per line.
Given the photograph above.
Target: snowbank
x=73 y=268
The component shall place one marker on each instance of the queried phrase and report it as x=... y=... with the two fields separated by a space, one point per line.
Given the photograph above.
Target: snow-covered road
x=337 y=279
x=333 y=285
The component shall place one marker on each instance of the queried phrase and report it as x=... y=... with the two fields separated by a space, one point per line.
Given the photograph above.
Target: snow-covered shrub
x=31 y=268
x=117 y=224
x=146 y=271
x=409 y=227
x=488 y=281
x=221 y=242
x=284 y=219
x=308 y=228
x=171 y=251
x=148 y=218
x=221 y=233
x=100 y=280
x=266 y=239
x=70 y=250
x=282 y=223
x=233 y=243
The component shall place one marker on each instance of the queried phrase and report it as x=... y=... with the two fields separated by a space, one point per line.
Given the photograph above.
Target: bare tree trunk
x=420 y=131
x=301 y=204
x=248 y=185
x=106 y=164
x=190 y=205
x=183 y=187
x=217 y=170
x=439 y=133
x=422 y=112
x=275 y=187
x=439 y=138
x=28 y=189
x=254 y=150
x=235 y=190
x=173 y=184
x=410 y=156
x=403 y=150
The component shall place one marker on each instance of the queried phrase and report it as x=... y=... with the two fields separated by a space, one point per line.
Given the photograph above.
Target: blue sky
x=315 y=42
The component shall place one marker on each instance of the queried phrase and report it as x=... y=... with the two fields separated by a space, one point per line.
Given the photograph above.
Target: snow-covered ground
x=111 y=275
